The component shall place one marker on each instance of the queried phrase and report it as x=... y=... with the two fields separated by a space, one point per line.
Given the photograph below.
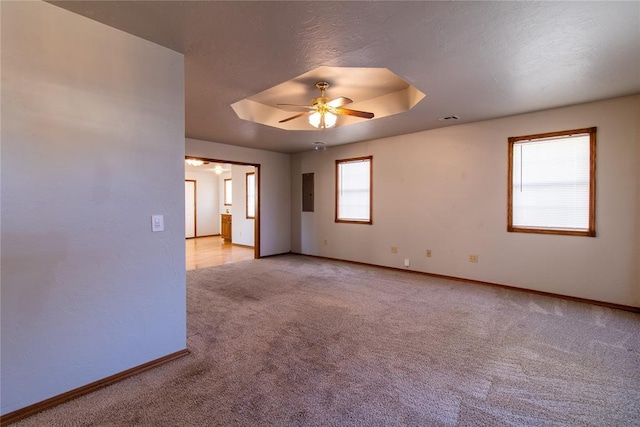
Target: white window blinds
x=354 y=190
x=550 y=183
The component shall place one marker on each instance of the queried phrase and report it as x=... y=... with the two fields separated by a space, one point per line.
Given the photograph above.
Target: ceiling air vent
x=448 y=118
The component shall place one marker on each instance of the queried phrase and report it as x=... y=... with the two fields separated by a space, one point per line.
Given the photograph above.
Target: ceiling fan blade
x=339 y=102
x=356 y=113
x=295 y=117
x=294 y=107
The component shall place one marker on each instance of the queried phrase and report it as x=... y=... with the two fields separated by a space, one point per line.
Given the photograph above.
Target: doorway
x=239 y=204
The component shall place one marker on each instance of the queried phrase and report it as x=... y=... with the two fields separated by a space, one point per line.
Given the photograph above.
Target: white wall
x=242 y=227
x=446 y=190
x=92 y=146
x=207 y=199
x=275 y=189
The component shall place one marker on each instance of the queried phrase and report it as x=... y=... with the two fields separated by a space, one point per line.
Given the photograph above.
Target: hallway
x=203 y=252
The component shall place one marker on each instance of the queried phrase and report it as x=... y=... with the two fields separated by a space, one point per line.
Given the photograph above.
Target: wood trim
x=510 y=186
x=591 y=231
x=337 y=188
x=242 y=246
x=256 y=226
x=616 y=306
x=592 y=183
x=27 y=411
x=551 y=134
x=232 y=162
x=562 y=232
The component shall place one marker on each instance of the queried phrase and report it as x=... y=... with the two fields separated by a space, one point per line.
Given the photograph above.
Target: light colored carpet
x=292 y=340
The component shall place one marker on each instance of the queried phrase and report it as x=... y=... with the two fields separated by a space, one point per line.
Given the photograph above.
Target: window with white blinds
x=228 y=188
x=353 y=190
x=552 y=183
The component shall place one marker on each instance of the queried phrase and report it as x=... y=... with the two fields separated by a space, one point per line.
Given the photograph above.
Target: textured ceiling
x=477 y=60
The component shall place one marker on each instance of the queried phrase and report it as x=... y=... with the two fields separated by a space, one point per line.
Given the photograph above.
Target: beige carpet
x=292 y=340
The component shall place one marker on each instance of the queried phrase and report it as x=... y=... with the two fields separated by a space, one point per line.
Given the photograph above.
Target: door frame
x=256 y=224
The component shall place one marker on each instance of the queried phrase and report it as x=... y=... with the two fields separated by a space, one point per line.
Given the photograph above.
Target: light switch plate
x=157 y=223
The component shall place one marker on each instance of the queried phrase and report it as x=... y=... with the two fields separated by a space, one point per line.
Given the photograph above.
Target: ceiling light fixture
x=322 y=119
x=194 y=162
x=218 y=169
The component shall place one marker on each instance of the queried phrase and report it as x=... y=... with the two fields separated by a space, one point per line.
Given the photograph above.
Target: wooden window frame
x=591 y=231
x=337 y=190
x=224 y=187
x=247 y=195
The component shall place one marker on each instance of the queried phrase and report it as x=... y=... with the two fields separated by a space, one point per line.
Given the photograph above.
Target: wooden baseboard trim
x=27 y=411
x=242 y=246
x=630 y=308
x=280 y=254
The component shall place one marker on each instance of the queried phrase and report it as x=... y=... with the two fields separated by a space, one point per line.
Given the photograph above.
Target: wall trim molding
x=242 y=246
x=616 y=306
x=33 y=409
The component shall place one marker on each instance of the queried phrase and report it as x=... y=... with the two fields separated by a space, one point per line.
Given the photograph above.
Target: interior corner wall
x=446 y=190
x=207 y=208
x=275 y=188
x=92 y=146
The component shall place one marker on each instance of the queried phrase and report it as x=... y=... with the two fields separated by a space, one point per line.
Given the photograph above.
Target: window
x=552 y=183
x=227 y=192
x=353 y=190
x=251 y=195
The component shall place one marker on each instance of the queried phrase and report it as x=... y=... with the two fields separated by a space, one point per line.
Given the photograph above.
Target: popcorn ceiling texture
x=292 y=340
x=478 y=60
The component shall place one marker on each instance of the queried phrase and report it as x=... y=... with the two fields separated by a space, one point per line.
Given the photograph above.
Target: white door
x=190 y=208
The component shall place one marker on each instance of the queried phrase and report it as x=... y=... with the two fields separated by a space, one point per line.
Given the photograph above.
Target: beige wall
x=446 y=190
x=92 y=146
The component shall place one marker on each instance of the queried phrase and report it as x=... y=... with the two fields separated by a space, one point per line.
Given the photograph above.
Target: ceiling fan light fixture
x=323 y=120
x=194 y=162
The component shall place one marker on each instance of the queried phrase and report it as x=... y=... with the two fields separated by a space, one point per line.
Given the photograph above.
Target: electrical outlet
x=428 y=253
x=473 y=258
x=407 y=262
x=394 y=249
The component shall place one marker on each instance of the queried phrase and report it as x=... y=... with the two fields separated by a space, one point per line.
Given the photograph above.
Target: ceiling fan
x=323 y=112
